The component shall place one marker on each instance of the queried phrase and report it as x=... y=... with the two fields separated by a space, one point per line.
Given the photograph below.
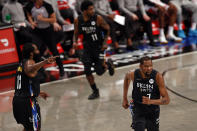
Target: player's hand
x=146 y=100
x=51 y=59
x=71 y=51
x=125 y=104
x=104 y=47
x=44 y=95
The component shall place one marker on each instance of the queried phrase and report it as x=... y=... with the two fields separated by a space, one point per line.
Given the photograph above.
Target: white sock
x=180 y=27
x=170 y=31
x=162 y=32
x=193 y=26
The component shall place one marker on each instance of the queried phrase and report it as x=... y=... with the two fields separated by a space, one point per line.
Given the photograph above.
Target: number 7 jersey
x=145 y=87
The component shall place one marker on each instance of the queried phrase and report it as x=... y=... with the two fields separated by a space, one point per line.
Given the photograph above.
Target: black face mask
x=37 y=57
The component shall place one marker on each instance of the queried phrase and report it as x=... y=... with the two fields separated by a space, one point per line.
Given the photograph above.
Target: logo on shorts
x=93 y=23
x=151 y=81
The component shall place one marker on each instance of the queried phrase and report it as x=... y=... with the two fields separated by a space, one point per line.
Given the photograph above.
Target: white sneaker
x=162 y=40
x=174 y=38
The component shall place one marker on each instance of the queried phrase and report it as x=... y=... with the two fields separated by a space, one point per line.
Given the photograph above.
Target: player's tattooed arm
x=165 y=99
x=103 y=24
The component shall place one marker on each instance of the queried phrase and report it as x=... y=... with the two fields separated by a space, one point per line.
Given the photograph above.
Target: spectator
x=22 y=29
x=190 y=6
x=69 y=12
x=23 y=2
x=103 y=8
x=134 y=10
x=41 y=16
x=168 y=11
x=114 y=4
x=58 y=32
x=1 y=6
x=15 y=10
x=60 y=19
x=68 y=34
x=194 y=1
x=2 y=2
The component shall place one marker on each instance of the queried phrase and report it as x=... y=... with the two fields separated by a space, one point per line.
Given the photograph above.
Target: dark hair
x=27 y=49
x=85 y=4
x=145 y=58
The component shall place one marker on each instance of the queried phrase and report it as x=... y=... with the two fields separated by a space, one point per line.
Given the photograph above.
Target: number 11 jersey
x=93 y=35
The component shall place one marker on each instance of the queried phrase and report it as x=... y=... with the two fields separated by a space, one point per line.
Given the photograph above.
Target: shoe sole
x=93 y=98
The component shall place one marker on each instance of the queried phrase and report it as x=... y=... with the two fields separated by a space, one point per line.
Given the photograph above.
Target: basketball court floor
x=68 y=109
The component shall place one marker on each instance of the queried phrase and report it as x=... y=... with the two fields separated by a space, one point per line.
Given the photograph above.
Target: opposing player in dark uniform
x=95 y=32
x=27 y=88
x=148 y=93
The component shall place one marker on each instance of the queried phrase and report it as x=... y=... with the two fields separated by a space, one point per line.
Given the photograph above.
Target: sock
x=193 y=26
x=180 y=27
x=170 y=30
x=94 y=88
x=162 y=32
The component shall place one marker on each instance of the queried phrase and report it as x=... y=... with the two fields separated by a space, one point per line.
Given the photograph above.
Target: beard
x=147 y=74
x=90 y=15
